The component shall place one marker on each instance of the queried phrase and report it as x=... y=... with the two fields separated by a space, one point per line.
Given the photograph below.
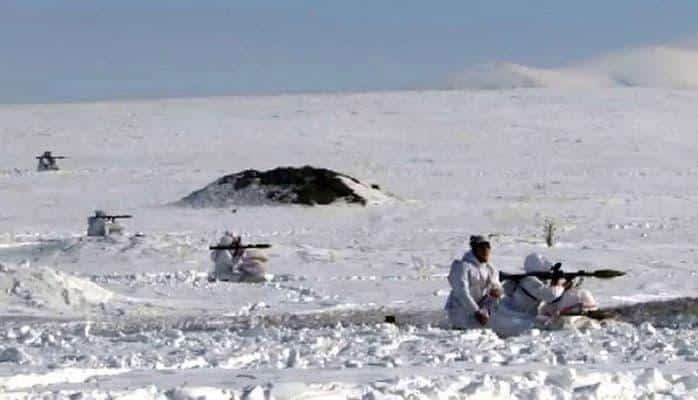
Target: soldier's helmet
x=479 y=240
x=100 y=213
x=535 y=262
x=47 y=154
x=226 y=241
x=234 y=235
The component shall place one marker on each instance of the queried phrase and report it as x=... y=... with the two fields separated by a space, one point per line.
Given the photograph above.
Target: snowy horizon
x=59 y=51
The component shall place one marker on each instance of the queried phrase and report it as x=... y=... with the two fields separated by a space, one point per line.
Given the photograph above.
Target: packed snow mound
x=285 y=185
x=652 y=67
x=47 y=289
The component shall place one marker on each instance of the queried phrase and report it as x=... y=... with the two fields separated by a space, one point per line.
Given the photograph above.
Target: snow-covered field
x=136 y=317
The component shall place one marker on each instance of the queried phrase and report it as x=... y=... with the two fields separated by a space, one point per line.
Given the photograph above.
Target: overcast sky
x=67 y=50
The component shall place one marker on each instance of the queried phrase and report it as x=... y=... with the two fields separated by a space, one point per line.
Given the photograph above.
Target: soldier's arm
x=460 y=284
x=539 y=290
x=495 y=285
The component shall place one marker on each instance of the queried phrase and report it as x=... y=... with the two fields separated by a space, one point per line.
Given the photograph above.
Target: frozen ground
x=614 y=167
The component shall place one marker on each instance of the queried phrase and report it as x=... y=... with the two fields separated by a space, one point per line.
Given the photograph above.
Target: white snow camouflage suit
x=471 y=282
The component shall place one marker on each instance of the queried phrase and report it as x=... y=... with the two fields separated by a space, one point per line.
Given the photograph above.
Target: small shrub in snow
x=549 y=230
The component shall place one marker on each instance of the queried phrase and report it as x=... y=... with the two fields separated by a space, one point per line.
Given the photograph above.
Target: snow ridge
x=651 y=67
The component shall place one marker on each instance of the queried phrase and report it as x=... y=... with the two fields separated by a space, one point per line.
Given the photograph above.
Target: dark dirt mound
x=284 y=185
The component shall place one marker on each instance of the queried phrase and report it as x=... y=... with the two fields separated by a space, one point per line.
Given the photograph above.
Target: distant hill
x=656 y=67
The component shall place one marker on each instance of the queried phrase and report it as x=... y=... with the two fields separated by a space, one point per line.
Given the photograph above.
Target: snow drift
x=46 y=289
x=285 y=185
x=657 y=67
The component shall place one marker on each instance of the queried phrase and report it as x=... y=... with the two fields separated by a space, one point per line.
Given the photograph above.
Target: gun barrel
x=505 y=276
x=600 y=274
x=606 y=273
x=114 y=216
x=52 y=157
x=244 y=246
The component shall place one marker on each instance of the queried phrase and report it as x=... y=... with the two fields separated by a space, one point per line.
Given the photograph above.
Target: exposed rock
x=285 y=185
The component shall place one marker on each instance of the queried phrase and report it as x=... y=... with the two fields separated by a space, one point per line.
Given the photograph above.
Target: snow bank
x=665 y=313
x=371 y=195
x=658 y=67
x=362 y=360
x=286 y=185
x=266 y=346
x=67 y=375
x=566 y=383
x=48 y=289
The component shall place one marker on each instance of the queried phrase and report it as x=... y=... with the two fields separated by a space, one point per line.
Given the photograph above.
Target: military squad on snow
x=478 y=297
